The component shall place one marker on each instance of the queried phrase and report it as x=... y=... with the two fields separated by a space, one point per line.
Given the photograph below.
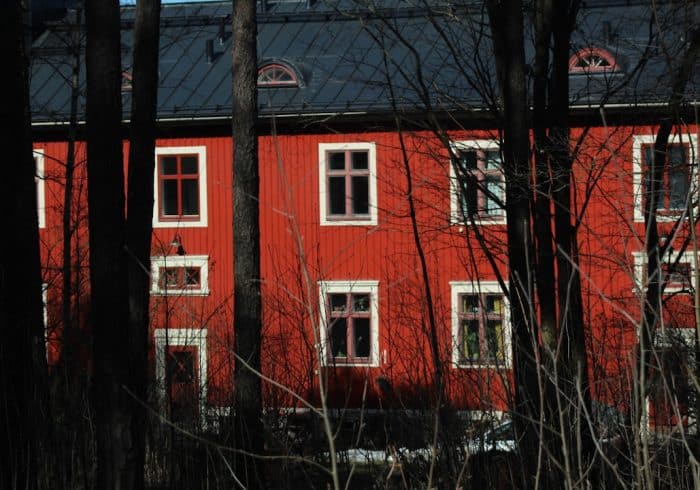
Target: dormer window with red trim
x=592 y=60
x=277 y=75
x=127 y=80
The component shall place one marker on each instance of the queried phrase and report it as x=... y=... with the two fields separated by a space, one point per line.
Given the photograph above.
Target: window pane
x=361 y=330
x=336 y=195
x=168 y=196
x=679 y=276
x=470 y=332
x=180 y=367
x=168 y=165
x=494 y=304
x=359 y=160
x=192 y=276
x=337 y=302
x=467 y=159
x=336 y=160
x=169 y=277
x=468 y=202
x=339 y=337
x=360 y=302
x=189 y=164
x=677 y=177
x=470 y=303
x=190 y=197
x=492 y=160
x=360 y=195
x=493 y=195
x=494 y=340
x=648 y=155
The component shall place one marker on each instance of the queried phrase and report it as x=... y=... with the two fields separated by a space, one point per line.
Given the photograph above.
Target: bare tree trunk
x=139 y=224
x=69 y=327
x=22 y=350
x=574 y=384
x=506 y=18
x=246 y=244
x=544 y=237
x=655 y=251
x=108 y=264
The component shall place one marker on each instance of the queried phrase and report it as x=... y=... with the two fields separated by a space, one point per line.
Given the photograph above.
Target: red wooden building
x=362 y=220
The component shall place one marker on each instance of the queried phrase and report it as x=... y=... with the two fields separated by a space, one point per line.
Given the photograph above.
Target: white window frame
x=665 y=337
x=184 y=337
x=638 y=172
x=45 y=316
x=201 y=261
x=40 y=179
x=640 y=260
x=323 y=149
x=202 y=222
x=459 y=288
x=456 y=217
x=349 y=287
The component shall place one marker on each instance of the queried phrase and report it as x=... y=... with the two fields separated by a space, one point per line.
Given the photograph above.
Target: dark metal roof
x=352 y=58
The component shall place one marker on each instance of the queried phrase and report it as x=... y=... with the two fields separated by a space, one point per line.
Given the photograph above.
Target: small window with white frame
x=181 y=373
x=480 y=325
x=668 y=402
x=180 y=187
x=40 y=180
x=678 y=179
x=349 y=320
x=677 y=272
x=347 y=184
x=477 y=185
x=174 y=275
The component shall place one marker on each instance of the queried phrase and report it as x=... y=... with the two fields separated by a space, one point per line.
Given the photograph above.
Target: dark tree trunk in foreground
x=573 y=362
x=559 y=294
x=69 y=320
x=22 y=350
x=140 y=213
x=506 y=18
x=246 y=245
x=108 y=264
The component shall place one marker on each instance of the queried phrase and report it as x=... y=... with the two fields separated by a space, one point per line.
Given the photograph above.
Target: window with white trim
x=180 y=275
x=180 y=187
x=181 y=372
x=40 y=187
x=677 y=272
x=480 y=325
x=668 y=405
x=678 y=184
x=349 y=320
x=477 y=185
x=347 y=183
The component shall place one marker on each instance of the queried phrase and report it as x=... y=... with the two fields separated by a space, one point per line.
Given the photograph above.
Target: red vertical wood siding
x=292 y=241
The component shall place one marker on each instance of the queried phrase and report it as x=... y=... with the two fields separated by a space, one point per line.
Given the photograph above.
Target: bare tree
x=506 y=19
x=108 y=259
x=247 y=321
x=140 y=214
x=680 y=64
x=22 y=357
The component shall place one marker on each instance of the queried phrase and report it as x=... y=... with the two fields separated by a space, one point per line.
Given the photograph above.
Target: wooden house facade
x=379 y=265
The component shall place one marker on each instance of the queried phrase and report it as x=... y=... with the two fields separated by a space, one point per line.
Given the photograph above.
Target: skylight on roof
x=276 y=75
x=592 y=60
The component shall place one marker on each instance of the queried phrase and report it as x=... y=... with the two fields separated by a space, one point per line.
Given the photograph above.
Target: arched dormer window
x=592 y=60
x=277 y=75
x=126 y=81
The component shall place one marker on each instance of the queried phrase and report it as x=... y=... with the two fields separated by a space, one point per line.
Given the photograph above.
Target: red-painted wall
x=297 y=252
